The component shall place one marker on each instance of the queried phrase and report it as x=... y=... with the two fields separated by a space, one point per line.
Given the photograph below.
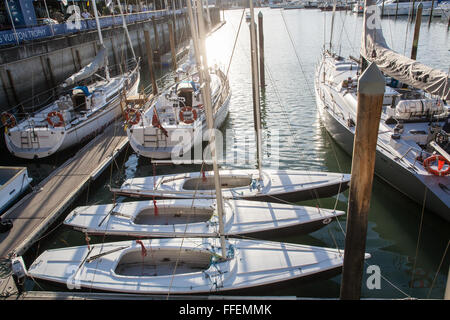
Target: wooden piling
x=396 y=10
x=155 y=33
x=172 y=46
x=148 y=46
x=413 y=9
x=262 y=79
x=431 y=13
x=447 y=287
x=370 y=100
x=416 y=31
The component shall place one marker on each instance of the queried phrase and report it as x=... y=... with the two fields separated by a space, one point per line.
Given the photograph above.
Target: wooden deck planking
x=35 y=212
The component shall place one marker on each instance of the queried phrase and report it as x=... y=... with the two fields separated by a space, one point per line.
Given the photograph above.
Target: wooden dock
x=36 y=212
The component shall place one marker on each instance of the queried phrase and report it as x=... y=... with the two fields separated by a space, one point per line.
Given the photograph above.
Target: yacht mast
x=126 y=30
x=206 y=89
x=332 y=24
x=255 y=84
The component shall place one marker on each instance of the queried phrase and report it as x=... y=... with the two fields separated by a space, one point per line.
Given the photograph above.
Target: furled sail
x=396 y=65
x=99 y=61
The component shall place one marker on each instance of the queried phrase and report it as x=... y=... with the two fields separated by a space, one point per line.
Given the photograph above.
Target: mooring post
x=148 y=46
x=262 y=79
x=431 y=13
x=370 y=100
x=447 y=287
x=382 y=9
x=413 y=10
x=396 y=10
x=416 y=31
x=155 y=33
x=172 y=47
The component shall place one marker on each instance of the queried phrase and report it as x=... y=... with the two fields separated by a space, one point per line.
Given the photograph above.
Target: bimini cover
x=98 y=62
x=395 y=65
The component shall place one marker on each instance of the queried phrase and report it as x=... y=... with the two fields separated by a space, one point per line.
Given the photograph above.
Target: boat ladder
x=154 y=137
x=29 y=140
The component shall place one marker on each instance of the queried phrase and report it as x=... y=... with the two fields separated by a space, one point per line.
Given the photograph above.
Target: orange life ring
x=188 y=109
x=8 y=120
x=132 y=116
x=427 y=165
x=53 y=114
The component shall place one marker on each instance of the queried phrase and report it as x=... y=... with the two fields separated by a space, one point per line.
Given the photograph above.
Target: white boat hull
x=13 y=182
x=275 y=186
x=398 y=173
x=198 y=218
x=43 y=141
x=126 y=267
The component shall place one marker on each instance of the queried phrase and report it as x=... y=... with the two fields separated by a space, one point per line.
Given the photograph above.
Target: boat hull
x=199 y=218
x=276 y=186
x=241 y=272
x=386 y=167
x=60 y=139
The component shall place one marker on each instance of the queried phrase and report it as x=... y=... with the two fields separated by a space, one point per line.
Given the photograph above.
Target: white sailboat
x=412 y=149
x=187 y=265
x=177 y=112
x=249 y=184
x=198 y=218
x=82 y=111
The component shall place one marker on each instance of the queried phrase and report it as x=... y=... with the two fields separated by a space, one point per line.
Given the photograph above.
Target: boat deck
x=34 y=214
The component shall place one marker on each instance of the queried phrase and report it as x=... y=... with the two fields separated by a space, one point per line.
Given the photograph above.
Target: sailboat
x=88 y=103
x=245 y=184
x=155 y=130
x=198 y=218
x=187 y=265
x=412 y=149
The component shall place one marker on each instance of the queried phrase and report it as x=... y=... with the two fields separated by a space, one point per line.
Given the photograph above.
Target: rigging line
x=296 y=54
x=439 y=268
x=418 y=240
x=235 y=42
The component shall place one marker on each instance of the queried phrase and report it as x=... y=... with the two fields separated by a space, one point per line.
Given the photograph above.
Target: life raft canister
x=441 y=162
x=185 y=110
x=52 y=115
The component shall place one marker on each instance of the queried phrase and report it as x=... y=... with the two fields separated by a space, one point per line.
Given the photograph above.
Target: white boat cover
x=99 y=61
x=396 y=65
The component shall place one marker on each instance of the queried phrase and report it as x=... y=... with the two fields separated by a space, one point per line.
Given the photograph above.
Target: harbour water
x=397 y=240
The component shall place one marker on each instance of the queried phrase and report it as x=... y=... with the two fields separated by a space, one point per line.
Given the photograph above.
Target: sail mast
x=332 y=24
x=210 y=122
x=126 y=30
x=255 y=84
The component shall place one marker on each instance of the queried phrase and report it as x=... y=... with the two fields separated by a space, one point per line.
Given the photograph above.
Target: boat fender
x=350 y=123
x=52 y=115
x=5 y=225
x=188 y=110
x=441 y=164
x=132 y=116
x=8 y=120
